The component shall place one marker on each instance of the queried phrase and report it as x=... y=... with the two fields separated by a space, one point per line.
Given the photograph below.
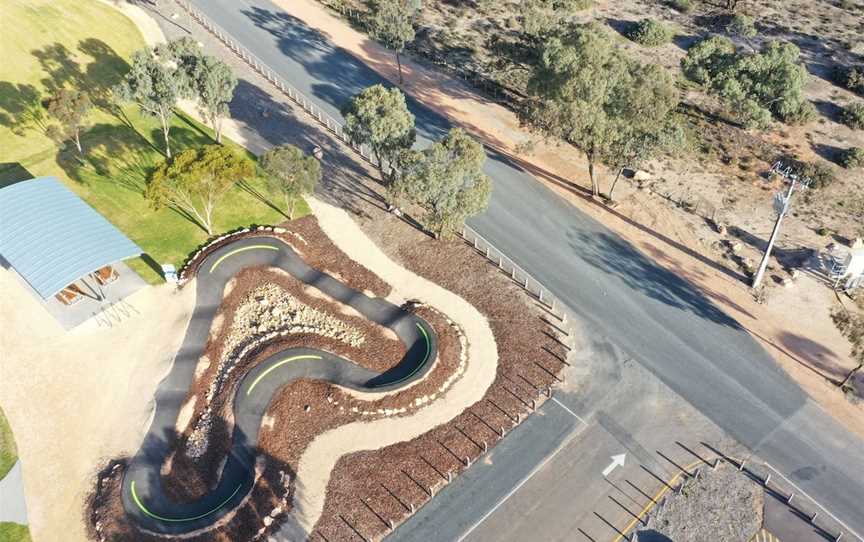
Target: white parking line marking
x=531 y=474
x=562 y=405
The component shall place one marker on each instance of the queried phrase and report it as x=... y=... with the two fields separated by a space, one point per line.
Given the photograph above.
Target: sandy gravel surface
x=146 y=25
x=322 y=454
x=75 y=399
x=723 y=505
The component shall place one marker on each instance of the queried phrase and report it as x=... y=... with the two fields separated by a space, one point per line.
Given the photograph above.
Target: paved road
x=545 y=480
x=143 y=496
x=653 y=315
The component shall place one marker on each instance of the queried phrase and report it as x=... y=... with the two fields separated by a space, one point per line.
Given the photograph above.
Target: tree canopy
x=378 y=117
x=587 y=93
x=446 y=180
x=850 y=323
x=541 y=18
x=204 y=78
x=154 y=85
x=291 y=173
x=757 y=86
x=195 y=180
x=392 y=23
x=70 y=109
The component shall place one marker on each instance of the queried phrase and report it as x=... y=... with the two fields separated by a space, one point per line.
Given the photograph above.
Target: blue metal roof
x=52 y=237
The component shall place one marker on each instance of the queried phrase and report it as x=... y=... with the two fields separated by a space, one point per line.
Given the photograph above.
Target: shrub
x=684 y=6
x=650 y=33
x=543 y=17
x=853 y=116
x=742 y=25
x=852 y=158
x=820 y=175
x=802 y=113
x=707 y=59
x=852 y=78
x=771 y=80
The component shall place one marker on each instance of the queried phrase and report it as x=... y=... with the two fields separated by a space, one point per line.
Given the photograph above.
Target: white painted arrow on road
x=617 y=461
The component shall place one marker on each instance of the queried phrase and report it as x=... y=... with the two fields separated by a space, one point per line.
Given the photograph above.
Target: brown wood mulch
x=371 y=491
x=301 y=410
x=199 y=475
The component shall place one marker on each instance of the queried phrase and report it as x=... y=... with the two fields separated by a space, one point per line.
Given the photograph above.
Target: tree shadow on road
x=339 y=75
x=344 y=178
x=617 y=257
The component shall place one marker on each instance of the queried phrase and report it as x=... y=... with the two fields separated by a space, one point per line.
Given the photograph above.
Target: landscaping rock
x=642 y=176
x=721 y=505
x=265 y=312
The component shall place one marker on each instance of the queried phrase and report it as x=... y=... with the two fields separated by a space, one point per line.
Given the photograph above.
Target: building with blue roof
x=55 y=242
x=52 y=238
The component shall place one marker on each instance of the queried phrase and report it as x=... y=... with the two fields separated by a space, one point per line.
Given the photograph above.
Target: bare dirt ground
x=811 y=353
x=75 y=398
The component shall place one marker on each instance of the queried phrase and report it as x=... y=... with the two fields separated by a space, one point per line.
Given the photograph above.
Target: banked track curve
x=143 y=497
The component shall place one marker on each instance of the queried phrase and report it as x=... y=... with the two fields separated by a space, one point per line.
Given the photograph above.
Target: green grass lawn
x=8 y=452
x=13 y=532
x=83 y=44
x=9 y=532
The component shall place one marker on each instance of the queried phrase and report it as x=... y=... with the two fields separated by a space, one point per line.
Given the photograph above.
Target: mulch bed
x=370 y=491
x=301 y=410
x=199 y=475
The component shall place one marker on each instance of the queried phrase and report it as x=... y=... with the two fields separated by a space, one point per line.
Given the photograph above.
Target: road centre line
x=276 y=366
x=531 y=474
x=177 y=520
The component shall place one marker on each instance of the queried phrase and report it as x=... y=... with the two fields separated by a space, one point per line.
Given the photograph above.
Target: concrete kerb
x=763 y=475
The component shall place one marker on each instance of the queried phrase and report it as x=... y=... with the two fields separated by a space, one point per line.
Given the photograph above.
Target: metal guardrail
x=333 y=126
x=507 y=265
x=337 y=129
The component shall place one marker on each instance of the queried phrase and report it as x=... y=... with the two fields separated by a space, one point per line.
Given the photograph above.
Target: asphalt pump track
x=144 y=499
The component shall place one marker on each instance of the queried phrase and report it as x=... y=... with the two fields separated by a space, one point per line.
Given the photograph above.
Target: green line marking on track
x=425 y=358
x=244 y=249
x=177 y=520
x=277 y=365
